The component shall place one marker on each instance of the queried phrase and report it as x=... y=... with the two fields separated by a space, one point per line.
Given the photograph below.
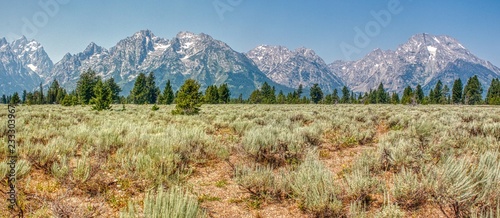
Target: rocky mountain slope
x=424 y=60
x=292 y=68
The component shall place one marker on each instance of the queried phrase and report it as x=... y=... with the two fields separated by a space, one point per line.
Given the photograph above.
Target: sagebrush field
x=256 y=161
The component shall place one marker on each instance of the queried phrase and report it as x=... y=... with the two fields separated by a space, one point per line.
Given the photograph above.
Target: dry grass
x=79 y=163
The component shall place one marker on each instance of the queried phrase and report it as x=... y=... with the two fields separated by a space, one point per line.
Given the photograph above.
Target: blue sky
x=322 y=25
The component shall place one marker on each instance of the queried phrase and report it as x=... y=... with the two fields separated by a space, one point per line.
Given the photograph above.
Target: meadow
x=256 y=161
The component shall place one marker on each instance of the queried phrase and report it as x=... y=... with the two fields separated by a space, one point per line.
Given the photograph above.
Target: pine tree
x=85 y=86
x=382 y=96
x=23 y=100
x=267 y=92
x=53 y=92
x=103 y=97
x=316 y=93
x=139 y=94
x=438 y=93
x=345 y=95
x=281 y=99
x=456 y=96
x=431 y=97
x=4 y=99
x=493 y=96
x=335 y=96
x=328 y=99
x=300 y=91
x=168 y=94
x=115 y=89
x=224 y=93
x=407 y=96
x=419 y=92
x=255 y=97
x=152 y=90
x=60 y=95
x=14 y=100
x=353 y=98
x=473 y=91
x=189 y=99
x=445 y=95
x=41 y=98
x=211 y=95
x=30 y=99
x=395 y=98
x=240 y=99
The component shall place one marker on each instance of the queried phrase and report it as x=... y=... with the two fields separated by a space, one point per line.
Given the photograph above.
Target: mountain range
x=424 y=60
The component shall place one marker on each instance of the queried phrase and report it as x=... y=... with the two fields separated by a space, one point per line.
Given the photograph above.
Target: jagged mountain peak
x=143 y=34
x=3 y=41
x=423 y=59
x=292 y=68
x=187 y=55
x=93 y=48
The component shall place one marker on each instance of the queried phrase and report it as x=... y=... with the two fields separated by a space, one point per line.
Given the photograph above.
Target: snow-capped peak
x=143 y=34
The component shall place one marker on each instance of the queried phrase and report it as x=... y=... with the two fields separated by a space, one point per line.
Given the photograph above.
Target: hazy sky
x=327 y=26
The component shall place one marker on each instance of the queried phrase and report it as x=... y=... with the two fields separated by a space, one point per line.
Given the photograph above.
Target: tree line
x=92 y=90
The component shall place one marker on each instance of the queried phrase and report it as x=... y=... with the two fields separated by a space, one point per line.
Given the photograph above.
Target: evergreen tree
x=212 y=95
x=14 y=100
x=168 y=94
x=419 y=93
x=335 y=97
x=189 y=99
x=53 y=92
x=24 y=96
x=70 y=100
x=395 y=98
x=139 y=94
x=267 y=92
x=41 y=98
x=60 y=95
x=240 y=99
x=255 y=97
x=290 y=97
x=445 y=95
x=493 y=96
x=360 y=98
x=281 y=99
x=345 y=95
x=431 y=97
x=407 y=96
x=152 y=90
x=328 y=99
x=224 y=93
x=103 y=97
x=316 y=93
x=353 y=98
x=473 y=91
x=115 y=89
x=382 y=96
x=438 y=93
x=85 y=86
x=300 y=91
x=456 y=96
x=4 y=99
x=30 y=99
x=372 y=96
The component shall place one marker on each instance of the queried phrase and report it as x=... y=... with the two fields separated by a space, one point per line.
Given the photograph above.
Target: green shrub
x=261 y=181
x=452 y=186
x=174 y=203
x=312 y=184
x=60 y=169
x=360 y=185
x=408 y=191
x=82 y=170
